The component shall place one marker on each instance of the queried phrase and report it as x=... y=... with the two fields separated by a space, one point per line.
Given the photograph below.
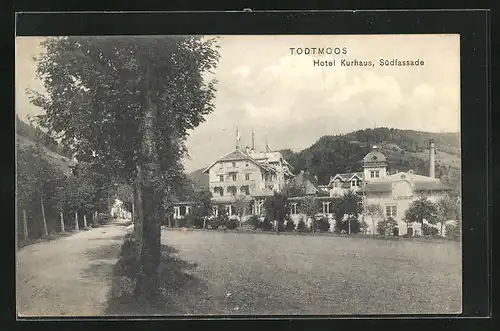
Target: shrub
x=386 y=226
x=364 y=227
x=181 y=222
x=428 y=230
x=266 y=224
x=290 y=225
x=190 y=220
x=231 y=223
x=322 y=224
x=216 y=223
x=254 y=221
x=301 y=226
x=452 y=231
x=197 y=222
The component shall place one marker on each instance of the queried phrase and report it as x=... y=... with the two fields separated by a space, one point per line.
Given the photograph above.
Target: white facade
x=247 y=173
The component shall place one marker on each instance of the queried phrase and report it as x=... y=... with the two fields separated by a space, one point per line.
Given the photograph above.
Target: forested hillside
x=35 y=135
x=404 y=149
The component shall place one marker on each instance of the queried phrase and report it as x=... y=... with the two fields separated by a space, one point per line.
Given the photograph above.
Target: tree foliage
x=96 y=95
x=276 y=207
x=294 y=189
x=349 y=205
x=127 y=105
x=420 y=210
x=386 y=226
x=309 y=207
x=376 y=214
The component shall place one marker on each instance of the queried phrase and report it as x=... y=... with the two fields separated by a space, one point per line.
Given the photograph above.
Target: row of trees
x=49 y=200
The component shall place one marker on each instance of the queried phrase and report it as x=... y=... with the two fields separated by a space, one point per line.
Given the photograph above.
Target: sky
x=290 y=103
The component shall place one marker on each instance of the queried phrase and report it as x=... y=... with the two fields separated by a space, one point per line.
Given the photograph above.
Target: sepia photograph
x=240 y=175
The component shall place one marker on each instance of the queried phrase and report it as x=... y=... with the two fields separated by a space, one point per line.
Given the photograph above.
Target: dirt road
x=69 y=276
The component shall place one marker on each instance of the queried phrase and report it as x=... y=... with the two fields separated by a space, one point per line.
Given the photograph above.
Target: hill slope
x=28 y=135
x=404 y=149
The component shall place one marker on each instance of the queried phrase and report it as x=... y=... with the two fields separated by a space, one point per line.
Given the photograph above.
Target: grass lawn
x=210 y=272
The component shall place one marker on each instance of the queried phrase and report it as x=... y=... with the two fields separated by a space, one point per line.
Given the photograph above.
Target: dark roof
x=377 y=187
x=431 y=186
x=238 y=155
x=305 y=177
x=419 y=186
x=235 y=155
x=374 y=157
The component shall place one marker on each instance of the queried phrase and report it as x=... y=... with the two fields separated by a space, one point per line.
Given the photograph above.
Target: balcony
x=240 y=182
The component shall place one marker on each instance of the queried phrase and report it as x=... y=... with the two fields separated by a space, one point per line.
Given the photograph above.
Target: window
x=372 y=174
x=377 y=174
x=353 y=183
x=293 y=209
x=234 y=177
x=246 y=164
x=245 y=190
x=234 y=164
x=391 y=211
x=247 y=176
x=221 y=178
x=358 y=183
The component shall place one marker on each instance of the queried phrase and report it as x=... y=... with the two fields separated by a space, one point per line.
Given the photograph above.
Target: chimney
x=431 y=159
x=253 y=139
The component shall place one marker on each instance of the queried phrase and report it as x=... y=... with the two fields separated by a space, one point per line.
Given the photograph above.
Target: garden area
x=430 y=218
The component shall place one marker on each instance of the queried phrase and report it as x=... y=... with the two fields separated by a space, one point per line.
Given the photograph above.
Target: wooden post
x=62 y=223
x=77 y=227
x=43 y=217
x=25 y=225
x=84 y=220
x=204 y=222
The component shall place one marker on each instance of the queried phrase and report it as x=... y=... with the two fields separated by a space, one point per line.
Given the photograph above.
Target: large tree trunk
x=43 y=217
x=148 y=174
x=84 y=220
